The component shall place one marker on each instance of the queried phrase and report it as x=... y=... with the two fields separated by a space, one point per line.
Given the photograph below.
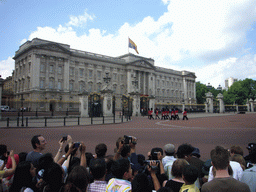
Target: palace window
x=72 y=71
x=51 y=69
x=59 y=85
x=99 y=75
x=71 y=86
x=90 y=74
x=60 y=70
x=81 y=87
x=81 y=72
x=99 y=87
x=41 y=84
x=51 y=84
x=42 y=67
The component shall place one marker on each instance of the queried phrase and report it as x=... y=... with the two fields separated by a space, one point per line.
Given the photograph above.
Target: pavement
x=202 y=130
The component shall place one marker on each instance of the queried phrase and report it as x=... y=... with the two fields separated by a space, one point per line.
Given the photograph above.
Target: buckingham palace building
x=51 y=76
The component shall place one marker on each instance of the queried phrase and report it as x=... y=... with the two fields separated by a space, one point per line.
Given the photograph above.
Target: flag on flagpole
x=132 y=45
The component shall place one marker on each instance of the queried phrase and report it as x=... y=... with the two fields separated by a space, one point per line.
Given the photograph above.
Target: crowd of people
x=167 y=114
x=164 y=169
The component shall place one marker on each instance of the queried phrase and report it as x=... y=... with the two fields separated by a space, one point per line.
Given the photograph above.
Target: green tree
x=237 y=93
x=249 y=88
x=201 y=90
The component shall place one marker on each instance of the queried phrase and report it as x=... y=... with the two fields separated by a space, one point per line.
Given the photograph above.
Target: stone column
x=248 y=105
x=129 y=81
x=251 y=103
x=206 y=107
x=209 y=101
x=152 y=102
x=236 y=107
x=107 y=102
x=221 y=103
x=135 y=104
x=1 y=88
x=83 y=107
x=35 y=72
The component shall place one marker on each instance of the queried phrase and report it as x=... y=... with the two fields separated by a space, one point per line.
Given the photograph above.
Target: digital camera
x=127 y=140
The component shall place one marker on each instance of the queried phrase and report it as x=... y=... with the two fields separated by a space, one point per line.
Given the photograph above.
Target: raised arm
x=152 y=172
x=83 y=157
x=119 y=150
x=11 y=171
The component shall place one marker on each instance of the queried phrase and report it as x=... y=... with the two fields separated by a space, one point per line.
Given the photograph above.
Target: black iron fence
x=60 y=121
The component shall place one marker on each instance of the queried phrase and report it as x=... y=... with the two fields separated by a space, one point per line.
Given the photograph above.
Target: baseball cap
x=196 y=152
x=169 y=148
x=251 y=145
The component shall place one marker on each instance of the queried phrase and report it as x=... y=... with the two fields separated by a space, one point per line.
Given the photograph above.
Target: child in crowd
x=189 y=175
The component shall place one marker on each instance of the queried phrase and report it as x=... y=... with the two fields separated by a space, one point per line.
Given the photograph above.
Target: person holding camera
x=156 y=155
x=126 y=147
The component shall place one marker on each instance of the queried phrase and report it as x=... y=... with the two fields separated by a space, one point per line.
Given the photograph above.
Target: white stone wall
x=47 y=74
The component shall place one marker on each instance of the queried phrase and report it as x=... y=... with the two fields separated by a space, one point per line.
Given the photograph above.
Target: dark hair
x=220 y=158
x=140 y=183
x=141 y=159
x=44 y=161
x=22 y=156
x=74 y=161
x=126 y=149
x=190 y=173
x=178 y=166
x=184 y=150
x=98 y=168
x=78 y=180
x=22 y=177
x=89 y=157
x=35 y=141
x=154 y=155
x=53 y=177
x=3 y=149
x=119 y=167
x=101 y=150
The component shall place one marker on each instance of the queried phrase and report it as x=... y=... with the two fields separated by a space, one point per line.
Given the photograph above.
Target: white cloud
x=80 y=20
x=209 y=32
x=216 y=73
x=6 y=67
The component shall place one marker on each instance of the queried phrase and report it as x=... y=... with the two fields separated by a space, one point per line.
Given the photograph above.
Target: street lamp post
x=107 y=78
x=22 y=109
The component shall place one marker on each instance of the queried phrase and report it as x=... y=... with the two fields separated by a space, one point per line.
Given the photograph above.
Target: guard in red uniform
x=176 y=114
x=185 y=114
x=172 y=114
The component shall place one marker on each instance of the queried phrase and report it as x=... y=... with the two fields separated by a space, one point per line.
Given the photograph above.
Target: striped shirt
x=118 y=185
x=97 y=186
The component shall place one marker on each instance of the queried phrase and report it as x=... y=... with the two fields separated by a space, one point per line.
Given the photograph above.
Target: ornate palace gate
x=127 y=105
x=144 y=104
x=95 y=105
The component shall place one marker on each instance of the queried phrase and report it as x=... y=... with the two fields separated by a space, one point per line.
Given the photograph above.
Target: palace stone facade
x=51 y=75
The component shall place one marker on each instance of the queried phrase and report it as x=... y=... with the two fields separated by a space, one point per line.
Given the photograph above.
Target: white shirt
x=169 y=160
x=237 y=171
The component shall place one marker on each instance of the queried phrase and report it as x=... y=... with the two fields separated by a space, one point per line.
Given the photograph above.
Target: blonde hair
x=240 y=159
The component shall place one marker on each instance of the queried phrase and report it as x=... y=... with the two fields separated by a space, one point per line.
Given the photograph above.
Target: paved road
x=204 y=131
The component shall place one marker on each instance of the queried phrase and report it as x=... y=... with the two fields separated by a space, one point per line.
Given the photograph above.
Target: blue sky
x=214 y=39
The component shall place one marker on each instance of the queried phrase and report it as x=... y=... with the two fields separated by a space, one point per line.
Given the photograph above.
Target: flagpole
x=128 y=45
